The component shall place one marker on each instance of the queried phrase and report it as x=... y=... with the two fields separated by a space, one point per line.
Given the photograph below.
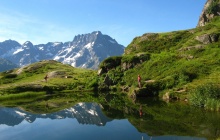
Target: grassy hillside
x=60 y=77
x=177 y=64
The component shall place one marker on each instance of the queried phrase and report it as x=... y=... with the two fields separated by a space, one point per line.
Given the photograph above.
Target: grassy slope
x=178 y=61
x=167 y=59
x=174 y=61
x=32 y=76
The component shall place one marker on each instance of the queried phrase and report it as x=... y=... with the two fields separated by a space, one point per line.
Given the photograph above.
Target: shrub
x=111 y=62
x=167 y=82
x=10 y=75
x=135 y=58
x=212 y=104
x=93 y=83
x=130 y=59
x=115 y=75
x=207 y=96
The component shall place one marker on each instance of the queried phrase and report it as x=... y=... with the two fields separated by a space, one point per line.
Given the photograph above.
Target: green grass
x=173 y=61
x=176 y=60
x=207 y=96
x=32 y=78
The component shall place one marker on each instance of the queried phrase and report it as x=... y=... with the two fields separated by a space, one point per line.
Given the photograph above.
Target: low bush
x=110 y=63
x=10 y=75
x=207 y=96
x=135 y=58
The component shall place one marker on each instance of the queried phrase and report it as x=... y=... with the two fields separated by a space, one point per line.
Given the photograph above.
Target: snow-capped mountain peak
x=86 y=50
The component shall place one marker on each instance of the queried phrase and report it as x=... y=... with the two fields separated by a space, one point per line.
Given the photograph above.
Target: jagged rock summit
x=85 y=51
x=88 y=50
x=210 y=10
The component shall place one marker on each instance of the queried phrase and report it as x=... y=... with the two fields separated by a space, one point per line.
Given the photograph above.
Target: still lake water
x=86 y=121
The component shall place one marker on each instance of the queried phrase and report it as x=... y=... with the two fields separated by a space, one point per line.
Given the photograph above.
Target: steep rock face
x=86 y=51
x=210 y=10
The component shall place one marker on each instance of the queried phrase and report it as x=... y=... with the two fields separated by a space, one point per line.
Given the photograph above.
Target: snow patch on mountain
x=112 y=41
x=17 y=51
x=86 y=51
x=20 y=113
x=11 y=52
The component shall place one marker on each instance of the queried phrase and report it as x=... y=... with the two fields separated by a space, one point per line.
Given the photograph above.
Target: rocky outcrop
x=125 y=62
x=109 y=63
x=207 y=38
x=210 y=10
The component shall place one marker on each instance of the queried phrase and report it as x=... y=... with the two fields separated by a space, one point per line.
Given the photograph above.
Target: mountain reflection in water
x=16 y=124
x=84 y=113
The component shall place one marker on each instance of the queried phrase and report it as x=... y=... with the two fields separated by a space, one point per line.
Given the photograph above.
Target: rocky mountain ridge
x=85 y=51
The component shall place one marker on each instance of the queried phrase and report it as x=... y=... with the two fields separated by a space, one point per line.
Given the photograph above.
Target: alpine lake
x=104 y=116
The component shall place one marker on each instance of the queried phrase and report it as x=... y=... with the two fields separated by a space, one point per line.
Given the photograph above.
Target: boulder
x=205 y=39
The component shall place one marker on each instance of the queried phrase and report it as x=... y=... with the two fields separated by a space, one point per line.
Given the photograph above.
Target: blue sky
x=42 y=21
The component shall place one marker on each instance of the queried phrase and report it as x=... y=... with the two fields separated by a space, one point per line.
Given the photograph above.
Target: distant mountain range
x=6 y=65
x=85 y=51
x=85 y=113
